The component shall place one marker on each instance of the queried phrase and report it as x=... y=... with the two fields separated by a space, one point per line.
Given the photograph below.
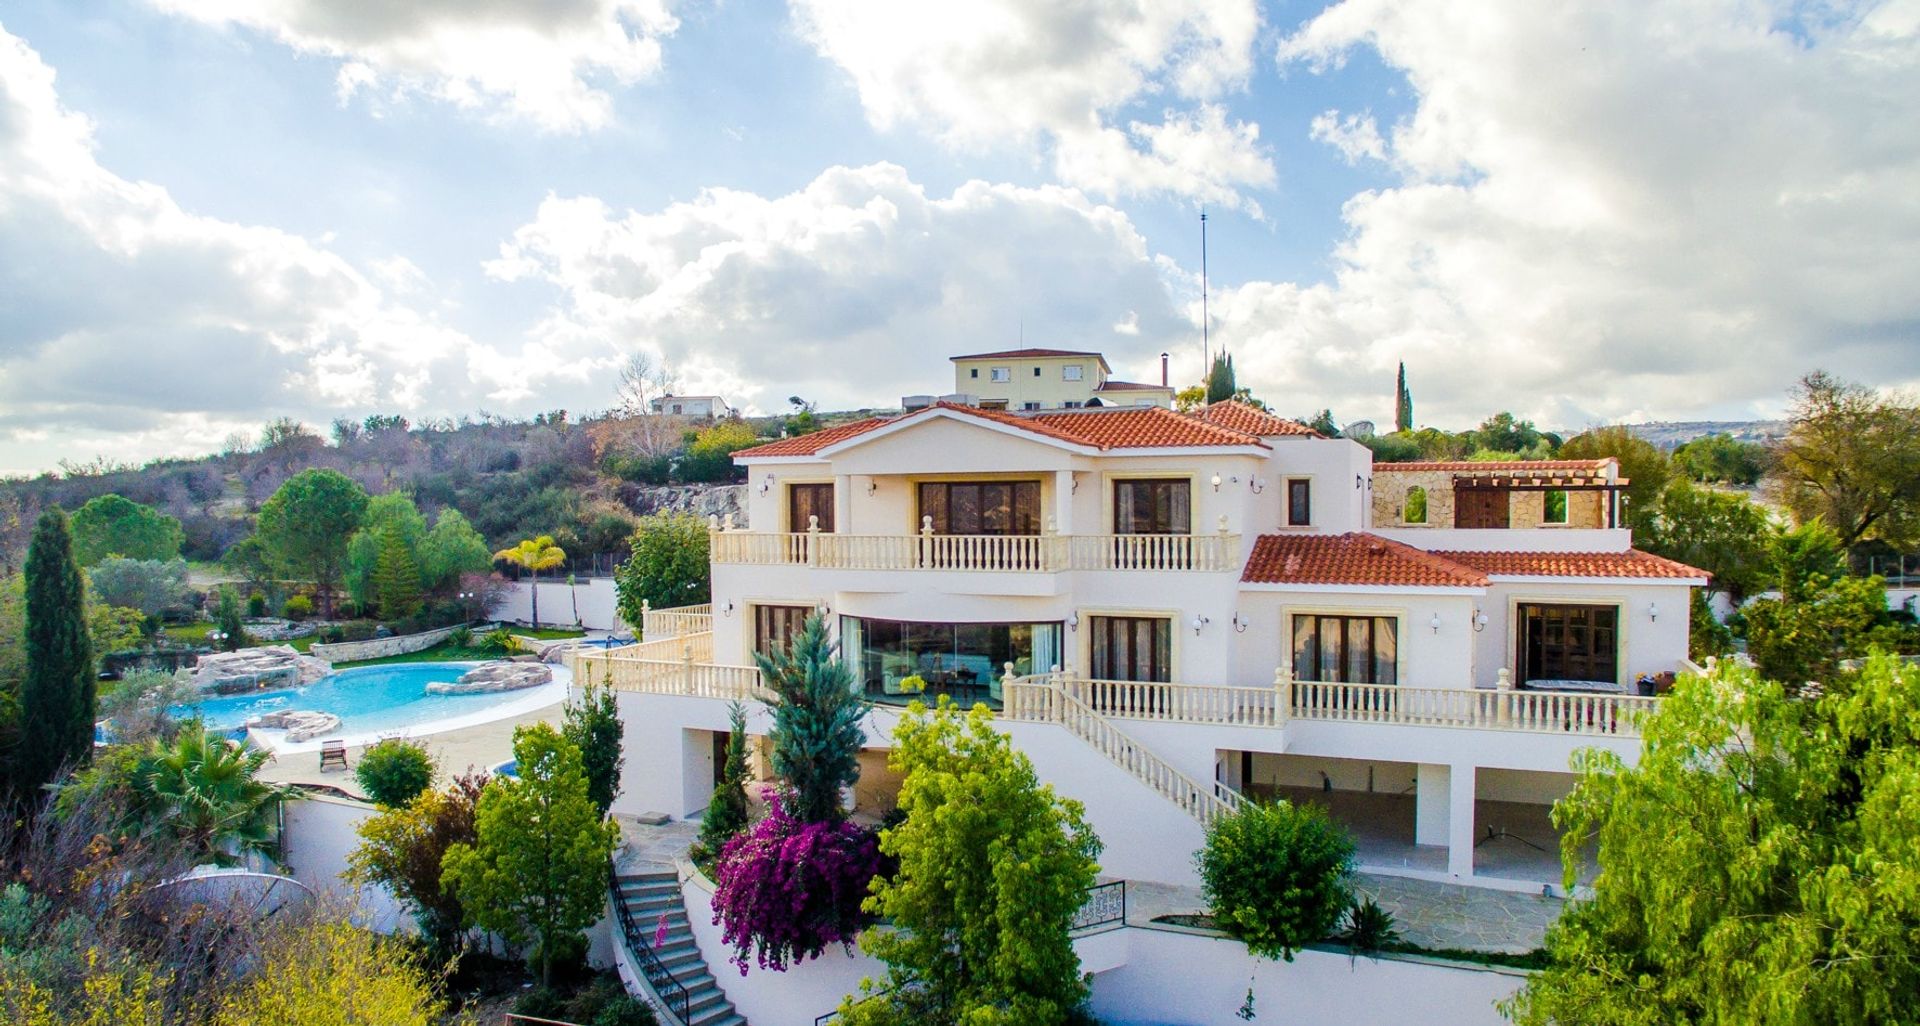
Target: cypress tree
x=816 y=722
x=396 y=578
x=1220 y=383
x=1402 y=403
x=57 y=695
x=726 y=813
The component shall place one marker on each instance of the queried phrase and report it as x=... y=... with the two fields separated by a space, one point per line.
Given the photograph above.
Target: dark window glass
x=962 y=659
x=1152 y=506
x=1569 y=642
x=1299 y=502
x=982 y=507
x=809 y=500
x=775 y=626
x=1346 y=649
x=1132 y=648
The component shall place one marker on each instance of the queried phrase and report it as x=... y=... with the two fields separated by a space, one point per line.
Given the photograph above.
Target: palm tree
x=202 y=789
x=534 y=555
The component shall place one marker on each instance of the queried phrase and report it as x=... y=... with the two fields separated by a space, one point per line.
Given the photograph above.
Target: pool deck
x=482 y=747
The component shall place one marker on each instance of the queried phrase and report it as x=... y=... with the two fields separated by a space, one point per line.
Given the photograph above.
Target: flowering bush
x=790 y=889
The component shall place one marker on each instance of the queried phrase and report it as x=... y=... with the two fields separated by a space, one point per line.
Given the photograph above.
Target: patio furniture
x=333 y=754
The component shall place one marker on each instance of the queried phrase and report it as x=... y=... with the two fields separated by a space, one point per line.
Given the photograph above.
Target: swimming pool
x=375 y=701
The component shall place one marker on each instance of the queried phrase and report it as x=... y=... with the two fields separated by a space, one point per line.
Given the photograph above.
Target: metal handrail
x=666 y=987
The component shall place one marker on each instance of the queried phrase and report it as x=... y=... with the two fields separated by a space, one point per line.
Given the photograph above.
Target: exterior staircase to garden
x=674 y=970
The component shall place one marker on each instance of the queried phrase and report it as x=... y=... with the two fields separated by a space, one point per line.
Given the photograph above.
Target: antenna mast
x=1206 y=349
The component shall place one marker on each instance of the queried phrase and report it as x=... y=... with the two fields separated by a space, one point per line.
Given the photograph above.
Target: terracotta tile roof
x=1017 y=354
x=807 y=445
x=1354 y=559
x=1110 y=385
x=1496 y=466
x=1630 y=563
x=1239 y=416
x=1125 y=427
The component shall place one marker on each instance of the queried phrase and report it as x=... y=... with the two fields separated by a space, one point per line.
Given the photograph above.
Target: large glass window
x=962 y=659
x=1153 y=506
x=1346 y=649
x=1132 y=647
x=1569 y=642
x=982 y=507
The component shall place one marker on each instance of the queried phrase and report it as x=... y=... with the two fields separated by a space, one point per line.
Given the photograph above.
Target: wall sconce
x=1653 y=610
x=766 y=484
x=1198 y=623
x=1216 y=482
x=1435 y=623
x=872 y=486
x=1258 y=484
x=1359 y=482
x=823 y=609
x=726 y=610
x=1073 y=621
x=1239 y=625
x=1479 y=621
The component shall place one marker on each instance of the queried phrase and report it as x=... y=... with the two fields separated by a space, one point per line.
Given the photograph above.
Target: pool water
x=369 y=700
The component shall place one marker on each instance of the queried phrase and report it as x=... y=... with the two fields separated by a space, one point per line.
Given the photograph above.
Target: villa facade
x=1173 y=613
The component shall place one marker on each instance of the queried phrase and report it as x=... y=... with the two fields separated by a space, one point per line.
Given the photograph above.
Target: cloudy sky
x=214 y=212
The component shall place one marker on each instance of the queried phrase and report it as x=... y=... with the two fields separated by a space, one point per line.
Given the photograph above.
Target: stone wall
x=1390 y=497
x=702 y=500
x=380 y=648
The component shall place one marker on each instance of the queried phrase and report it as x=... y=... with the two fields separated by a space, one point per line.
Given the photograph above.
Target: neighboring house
x=710 y=406
x=1048 y=379
x=1171 y=613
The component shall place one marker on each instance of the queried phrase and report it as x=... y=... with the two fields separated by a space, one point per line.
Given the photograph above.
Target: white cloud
x=1622 y=209
x=1356 y=136
x=849 y=292
x=135 y=327
x=1062 y=75
x=541 y=62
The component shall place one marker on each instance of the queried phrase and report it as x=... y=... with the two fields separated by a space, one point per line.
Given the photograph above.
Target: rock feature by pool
x=493 y=677
x=257 y=669
x=300 y=724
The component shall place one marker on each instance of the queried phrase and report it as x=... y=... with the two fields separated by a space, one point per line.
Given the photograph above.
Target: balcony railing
x=676 y=622
x=1043 y=553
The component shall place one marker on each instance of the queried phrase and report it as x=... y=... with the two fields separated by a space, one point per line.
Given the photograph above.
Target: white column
x=842 y=505
x=1430 y=803
x=1460 y=836
x=1063 y=501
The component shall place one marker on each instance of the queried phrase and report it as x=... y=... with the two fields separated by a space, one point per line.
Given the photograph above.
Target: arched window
x=1554 y=507
x=1415 y=510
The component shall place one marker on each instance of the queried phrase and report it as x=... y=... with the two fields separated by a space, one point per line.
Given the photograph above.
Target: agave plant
x=202 y=788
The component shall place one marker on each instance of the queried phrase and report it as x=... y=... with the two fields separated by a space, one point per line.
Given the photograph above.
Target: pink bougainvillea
x=787 y=889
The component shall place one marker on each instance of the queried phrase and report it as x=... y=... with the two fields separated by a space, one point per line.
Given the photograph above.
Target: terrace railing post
x=1282 y=694
x=1503 y=697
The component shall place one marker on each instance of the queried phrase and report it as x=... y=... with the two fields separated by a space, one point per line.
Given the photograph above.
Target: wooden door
x=1480 y=507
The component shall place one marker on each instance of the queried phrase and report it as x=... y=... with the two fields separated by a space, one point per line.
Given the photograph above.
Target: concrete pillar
x=1430 y=804
x=842 y=505
x=1063 y=503
x=1460 y=836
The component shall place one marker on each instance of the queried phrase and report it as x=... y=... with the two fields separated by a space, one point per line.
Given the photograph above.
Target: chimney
x=1163 y=370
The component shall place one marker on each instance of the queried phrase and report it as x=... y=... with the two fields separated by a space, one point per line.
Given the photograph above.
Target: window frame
x=797 y=525
x=778 y=615
x=1161 y=644
x=1299 y=514
x=1344 y=622
x=1522 y=643
x=1073 y=372
x=1000 y=375
x=943 y=519
x=1154 y=483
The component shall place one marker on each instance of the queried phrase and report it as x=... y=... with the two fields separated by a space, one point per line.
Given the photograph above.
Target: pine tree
x=227 y=618
x=1402 y=403
x=57 y=696
x=816 y=722
x=396 y=579
x=726 y=813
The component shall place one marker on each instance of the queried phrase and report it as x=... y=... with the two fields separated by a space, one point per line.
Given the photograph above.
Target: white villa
x=1172 y=613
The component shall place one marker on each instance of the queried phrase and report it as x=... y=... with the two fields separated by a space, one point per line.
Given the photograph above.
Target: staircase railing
x=1042 y=700
x=669 y=990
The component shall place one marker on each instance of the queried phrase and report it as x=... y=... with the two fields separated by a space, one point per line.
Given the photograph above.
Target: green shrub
x=256 y=604
x=461 y=637
x=394 y=772
x=499 y=640
x=1368 y=928
x=298 y=607
x=1277 y=876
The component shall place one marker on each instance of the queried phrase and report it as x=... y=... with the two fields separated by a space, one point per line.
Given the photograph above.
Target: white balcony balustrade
x=1038 y=553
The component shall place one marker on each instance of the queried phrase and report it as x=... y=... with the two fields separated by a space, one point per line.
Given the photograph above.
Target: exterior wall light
x=726 y=610
x=1479 y=620
x=872 y=486
x=1073 y=621
x=1435 y=623
x=1240 y=624
x=1198 y=623
x=766 y=484
x=1653 y=610
x=1216 y=482
x=1258 y=484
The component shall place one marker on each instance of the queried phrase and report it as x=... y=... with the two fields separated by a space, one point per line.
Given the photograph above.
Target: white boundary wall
x=598 y=611
x=1179 y=979
x=319 y=834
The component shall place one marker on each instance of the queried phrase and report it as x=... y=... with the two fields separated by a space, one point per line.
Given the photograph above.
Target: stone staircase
x=646 y=896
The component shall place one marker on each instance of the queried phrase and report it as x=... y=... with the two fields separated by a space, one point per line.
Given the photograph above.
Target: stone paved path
x=647 y=847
